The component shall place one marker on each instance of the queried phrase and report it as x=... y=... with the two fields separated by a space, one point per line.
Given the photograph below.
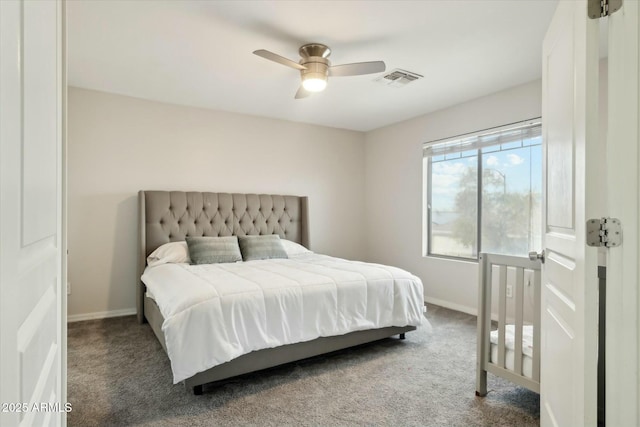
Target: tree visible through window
x=484 y=192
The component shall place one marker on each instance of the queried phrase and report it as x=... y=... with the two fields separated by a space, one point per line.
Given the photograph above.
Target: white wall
x=394 y=193
x=118 y=145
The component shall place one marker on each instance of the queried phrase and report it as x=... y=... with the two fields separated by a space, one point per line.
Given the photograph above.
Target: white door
x=623 y=323
x=32 y=338
x=568 y=395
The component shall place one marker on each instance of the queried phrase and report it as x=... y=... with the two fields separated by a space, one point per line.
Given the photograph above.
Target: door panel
x=568 y=341
x=560 y=336
x=40 y=125
x=560 y=271
x=31 y=298
x=559 y=119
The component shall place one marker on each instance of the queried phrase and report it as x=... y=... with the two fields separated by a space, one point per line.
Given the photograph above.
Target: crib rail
x=489 y=263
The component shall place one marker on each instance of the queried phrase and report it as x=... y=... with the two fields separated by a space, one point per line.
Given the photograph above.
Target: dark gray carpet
x=119 y=375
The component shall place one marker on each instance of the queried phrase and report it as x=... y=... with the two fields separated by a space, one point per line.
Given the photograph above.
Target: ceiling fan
x=315 y=67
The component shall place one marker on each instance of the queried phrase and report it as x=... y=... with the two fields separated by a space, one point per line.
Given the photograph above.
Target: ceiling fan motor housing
x=317 y=68
x=314 y=49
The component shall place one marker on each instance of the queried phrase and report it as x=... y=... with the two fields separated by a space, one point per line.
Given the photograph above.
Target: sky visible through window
x=513 y=162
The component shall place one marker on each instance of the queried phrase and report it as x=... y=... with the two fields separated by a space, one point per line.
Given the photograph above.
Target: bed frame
x=490 y=263
x=171 y=216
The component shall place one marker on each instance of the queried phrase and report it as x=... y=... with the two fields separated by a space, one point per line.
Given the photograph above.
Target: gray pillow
x=212 y=250
x=261 y=247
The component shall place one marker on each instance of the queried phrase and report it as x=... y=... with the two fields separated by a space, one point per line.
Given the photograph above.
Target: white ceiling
x=199 y=53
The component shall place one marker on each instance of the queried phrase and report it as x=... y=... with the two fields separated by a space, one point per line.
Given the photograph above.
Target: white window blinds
x=515 y=132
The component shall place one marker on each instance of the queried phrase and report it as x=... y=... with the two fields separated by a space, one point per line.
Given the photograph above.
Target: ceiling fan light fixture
x=314 y=76
x=314 y=82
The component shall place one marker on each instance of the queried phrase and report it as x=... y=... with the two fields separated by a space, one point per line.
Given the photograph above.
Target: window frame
x=480 y=189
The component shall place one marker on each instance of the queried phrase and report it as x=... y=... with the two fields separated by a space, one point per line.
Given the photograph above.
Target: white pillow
x=172 y=252
x=292 y=248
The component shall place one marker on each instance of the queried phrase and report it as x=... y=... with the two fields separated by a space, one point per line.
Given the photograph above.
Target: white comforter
x=216 y=312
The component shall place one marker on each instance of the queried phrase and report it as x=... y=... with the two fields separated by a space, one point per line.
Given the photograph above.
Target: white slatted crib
x=512 y=351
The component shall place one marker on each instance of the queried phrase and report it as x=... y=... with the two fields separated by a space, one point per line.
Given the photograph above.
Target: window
x=484 y=192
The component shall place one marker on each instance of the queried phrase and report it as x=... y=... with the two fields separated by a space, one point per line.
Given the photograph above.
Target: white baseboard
x=452 y=306
x=100 y=315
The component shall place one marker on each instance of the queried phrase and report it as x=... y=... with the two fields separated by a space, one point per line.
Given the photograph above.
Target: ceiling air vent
x=398 y=78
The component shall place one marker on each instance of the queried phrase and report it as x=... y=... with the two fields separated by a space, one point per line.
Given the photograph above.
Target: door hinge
x=597 y=9
x=605 y=232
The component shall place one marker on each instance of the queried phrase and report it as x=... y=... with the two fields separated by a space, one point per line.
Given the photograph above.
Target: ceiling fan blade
x=279 y=59
x=357 y=69
x=302 y=93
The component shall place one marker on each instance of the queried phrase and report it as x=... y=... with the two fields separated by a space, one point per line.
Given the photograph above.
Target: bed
x=512 y=349
x=340 y=303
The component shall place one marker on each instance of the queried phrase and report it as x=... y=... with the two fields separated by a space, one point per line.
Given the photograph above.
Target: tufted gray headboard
x=169 y=216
